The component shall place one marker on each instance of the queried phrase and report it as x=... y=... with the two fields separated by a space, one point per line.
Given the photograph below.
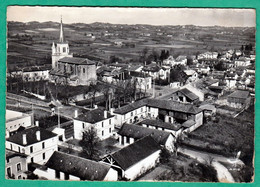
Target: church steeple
x=61 y=31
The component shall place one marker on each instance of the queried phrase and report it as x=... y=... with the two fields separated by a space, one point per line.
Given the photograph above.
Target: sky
x=152 y=16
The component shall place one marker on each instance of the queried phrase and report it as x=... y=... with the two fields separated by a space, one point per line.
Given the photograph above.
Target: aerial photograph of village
x=130 y=94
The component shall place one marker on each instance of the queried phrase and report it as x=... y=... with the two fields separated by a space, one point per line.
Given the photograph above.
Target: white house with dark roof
x=102 y=120
x=37 y=143
x=130 y=113
x=62 y=166
x=135 y=159
x=129 y=133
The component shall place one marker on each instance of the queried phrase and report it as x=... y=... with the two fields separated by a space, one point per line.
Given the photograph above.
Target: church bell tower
x=60 y=49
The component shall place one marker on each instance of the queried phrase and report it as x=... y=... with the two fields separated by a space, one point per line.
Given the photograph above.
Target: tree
x=89 y=143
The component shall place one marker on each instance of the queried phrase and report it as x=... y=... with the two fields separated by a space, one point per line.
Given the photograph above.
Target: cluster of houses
x=142 y=128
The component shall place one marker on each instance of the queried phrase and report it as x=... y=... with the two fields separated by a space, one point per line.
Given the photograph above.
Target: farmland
x=30 y=43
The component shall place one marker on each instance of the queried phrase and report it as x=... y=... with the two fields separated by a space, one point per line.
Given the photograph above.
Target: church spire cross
x=61 y=31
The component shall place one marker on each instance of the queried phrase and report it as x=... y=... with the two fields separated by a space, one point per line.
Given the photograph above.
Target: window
x=19 y=177
x=131 y=113
x=43 y=145
x=57 y=174
x=141 y=109
x=18 y=167
x=9 y=173
x=31 y=149
x=130 y=120
x=64 y=49
x=19 y=149
x=11 y=146
x=43 y=156
x=127 y=139
x=83 y=70
x=32 y=160
x=102 y=124
x=83 y=125
x=102 y=133
x=110 y=130
x=109 y=121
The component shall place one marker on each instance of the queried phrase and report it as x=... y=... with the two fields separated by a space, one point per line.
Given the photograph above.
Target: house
x=102 y=120
x=15 y=165
x=191 y=74
x=35 y=142
x=208 y=109
x=135 y=68
x=184 y=95
x=164 y=72
x=153 y=70
x=15 y=120
x=129 y=133
x=143 y=81
x=242 y=61
x=67 y=69
x=36 y=73
x=130 y=113
x=175 y=111
x=62 y=166
x=239 y=99
x=208 y=55
x=135 y=159
x=174 y=128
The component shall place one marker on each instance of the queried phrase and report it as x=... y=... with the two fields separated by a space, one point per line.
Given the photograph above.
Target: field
x=30 y=43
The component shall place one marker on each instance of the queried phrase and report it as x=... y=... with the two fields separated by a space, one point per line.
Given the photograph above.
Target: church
x=67 y=69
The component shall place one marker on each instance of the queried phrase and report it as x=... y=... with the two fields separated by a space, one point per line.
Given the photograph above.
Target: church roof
x=76 y=60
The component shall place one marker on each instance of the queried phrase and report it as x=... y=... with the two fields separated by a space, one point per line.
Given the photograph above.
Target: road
x=223 y=174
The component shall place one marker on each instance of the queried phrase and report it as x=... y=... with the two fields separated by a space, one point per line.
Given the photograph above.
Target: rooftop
x=240 y=94
x=159 y=123
x=173 y=106
x=31 y=136
x=135 y=152
x=130 y=107
x=76 y=60
x=189 y=94
x=80 y=167
x=93 y=116
x=137 y=132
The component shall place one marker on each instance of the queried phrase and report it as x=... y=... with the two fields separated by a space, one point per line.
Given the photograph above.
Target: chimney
x=24 y=139
x=38 y=135
x=112 y=111
x=76 y=114
x=37 y=123
x=105 y=114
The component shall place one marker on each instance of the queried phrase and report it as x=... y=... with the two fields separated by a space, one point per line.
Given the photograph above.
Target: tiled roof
x=31 y=136
x=135 y=152
x=10 y=154
x=188 y=94
x=76 y=60
x=93 y=116
x=173 y=106
x=80 y=167
x=239 y=94
x=159 y=123
x=130 y=107
x=188 y=123
x=137 y=132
